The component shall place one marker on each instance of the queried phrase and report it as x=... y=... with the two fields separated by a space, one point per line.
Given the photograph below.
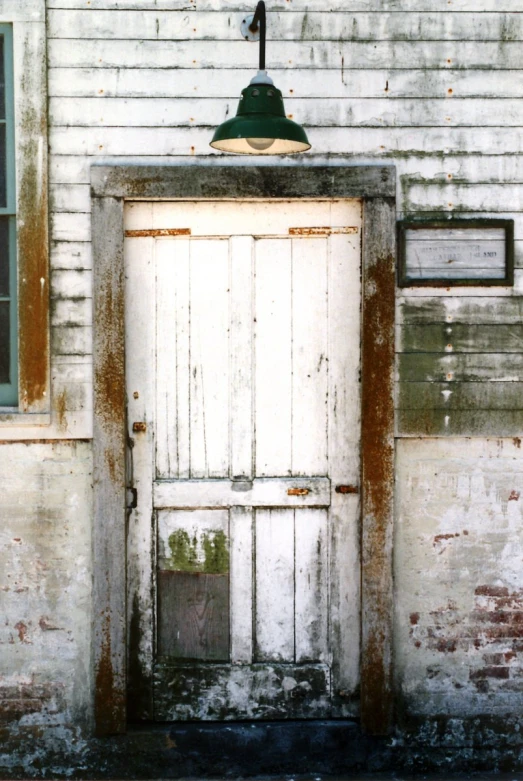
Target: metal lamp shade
x=260 y=126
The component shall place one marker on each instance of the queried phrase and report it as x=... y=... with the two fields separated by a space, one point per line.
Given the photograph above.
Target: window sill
x=14 y=417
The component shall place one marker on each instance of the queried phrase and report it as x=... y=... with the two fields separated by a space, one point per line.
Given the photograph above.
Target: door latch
x=132 y=498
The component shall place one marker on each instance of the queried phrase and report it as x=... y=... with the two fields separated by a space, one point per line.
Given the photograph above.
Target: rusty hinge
x=324 y=230
x=298 y=491
x=155 y=232
x=132 y=498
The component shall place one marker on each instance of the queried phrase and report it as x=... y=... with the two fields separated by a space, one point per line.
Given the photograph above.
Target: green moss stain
x=184 y=552
x=216 y=554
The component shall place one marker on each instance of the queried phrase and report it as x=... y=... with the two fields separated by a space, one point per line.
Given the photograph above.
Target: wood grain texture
x=260 y=492
x=311 y=586
x=242 y=593
x=311 y=25
x=109 y=545
x=315 y=111
x=241 y=356
x=460 y=338
x=306 y=55
x=172 y=359
x=273 y=378
x=375 y=142
x=309 y=356
x=370 y=6
x=466 y=367
x=327 y=83
x=377 y=464
x=30 y=59
x=209 y=359
x=475 y=310
x=141 y=263
x=459 y=422
x=193 y=616
x=275 y=573
x=247 y=181
x=464 y=396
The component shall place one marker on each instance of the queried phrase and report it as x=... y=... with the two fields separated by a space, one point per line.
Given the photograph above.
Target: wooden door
x=242 y=361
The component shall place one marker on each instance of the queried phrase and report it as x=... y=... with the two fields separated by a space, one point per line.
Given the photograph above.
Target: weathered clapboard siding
x=329 y=83
x=394 y=142
x=428 y=86
x=415 y=168
x=459 y=366
x=104 y=53
x=401 y=6
x=316 y=112
x=316 y=26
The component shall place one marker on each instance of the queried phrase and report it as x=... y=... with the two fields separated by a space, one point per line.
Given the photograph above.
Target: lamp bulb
x=260 y=144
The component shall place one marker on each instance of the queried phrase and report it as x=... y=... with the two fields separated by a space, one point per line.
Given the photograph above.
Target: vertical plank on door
x=309 y=356
x=273 y=357
x=241 y=249
x=274 y=611
x=312 y=579
x=140 y=293
x=241 y=531
x=344 y=438
x=172 y=361
x=209 y=346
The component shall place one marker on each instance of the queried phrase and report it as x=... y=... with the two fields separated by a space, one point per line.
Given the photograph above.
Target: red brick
x=491 y=616
x=489 y=672
x=492 y=591
x=494 y=659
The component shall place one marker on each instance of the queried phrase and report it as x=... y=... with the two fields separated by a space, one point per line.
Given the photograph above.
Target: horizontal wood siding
x=459 y=366
x=430 y=87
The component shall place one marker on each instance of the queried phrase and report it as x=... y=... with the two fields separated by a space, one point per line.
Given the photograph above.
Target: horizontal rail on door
x=260 y=492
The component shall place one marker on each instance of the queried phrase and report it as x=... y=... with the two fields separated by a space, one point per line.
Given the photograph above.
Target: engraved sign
x=464 y=252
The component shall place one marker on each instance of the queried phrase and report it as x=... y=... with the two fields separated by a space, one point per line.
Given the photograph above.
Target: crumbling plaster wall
x=458 y=552
x=45 y=591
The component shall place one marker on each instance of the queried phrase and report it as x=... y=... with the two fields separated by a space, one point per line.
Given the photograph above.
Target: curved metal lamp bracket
x=253 y=28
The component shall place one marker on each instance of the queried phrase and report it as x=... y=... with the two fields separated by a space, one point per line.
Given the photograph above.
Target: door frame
x=375 y=186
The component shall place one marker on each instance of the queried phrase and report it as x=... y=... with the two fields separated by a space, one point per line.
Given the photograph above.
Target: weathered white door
x=243 y=359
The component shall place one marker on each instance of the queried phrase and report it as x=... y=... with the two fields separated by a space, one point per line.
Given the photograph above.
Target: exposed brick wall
x=30 y=698
x=45 y=585
x=459 y=577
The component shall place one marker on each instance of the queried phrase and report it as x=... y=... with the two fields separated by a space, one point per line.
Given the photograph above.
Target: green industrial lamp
x=260 y=126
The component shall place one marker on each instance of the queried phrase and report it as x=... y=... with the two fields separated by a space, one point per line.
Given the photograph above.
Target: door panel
x=243 y=403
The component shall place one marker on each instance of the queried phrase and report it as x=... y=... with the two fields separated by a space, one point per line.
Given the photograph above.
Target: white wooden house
x=245 y=475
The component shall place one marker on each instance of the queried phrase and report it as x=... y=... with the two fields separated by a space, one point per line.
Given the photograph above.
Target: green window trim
x=9 y=297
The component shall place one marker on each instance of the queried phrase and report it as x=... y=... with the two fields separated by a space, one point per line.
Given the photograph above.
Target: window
x=24 y=250
x=8 y=273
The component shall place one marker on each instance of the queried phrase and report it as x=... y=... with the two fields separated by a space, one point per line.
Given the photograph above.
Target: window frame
x=9 y=391
x=485 y=223
x=29 y=189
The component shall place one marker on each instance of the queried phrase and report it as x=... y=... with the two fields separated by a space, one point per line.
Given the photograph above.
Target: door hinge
x=132 y=498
